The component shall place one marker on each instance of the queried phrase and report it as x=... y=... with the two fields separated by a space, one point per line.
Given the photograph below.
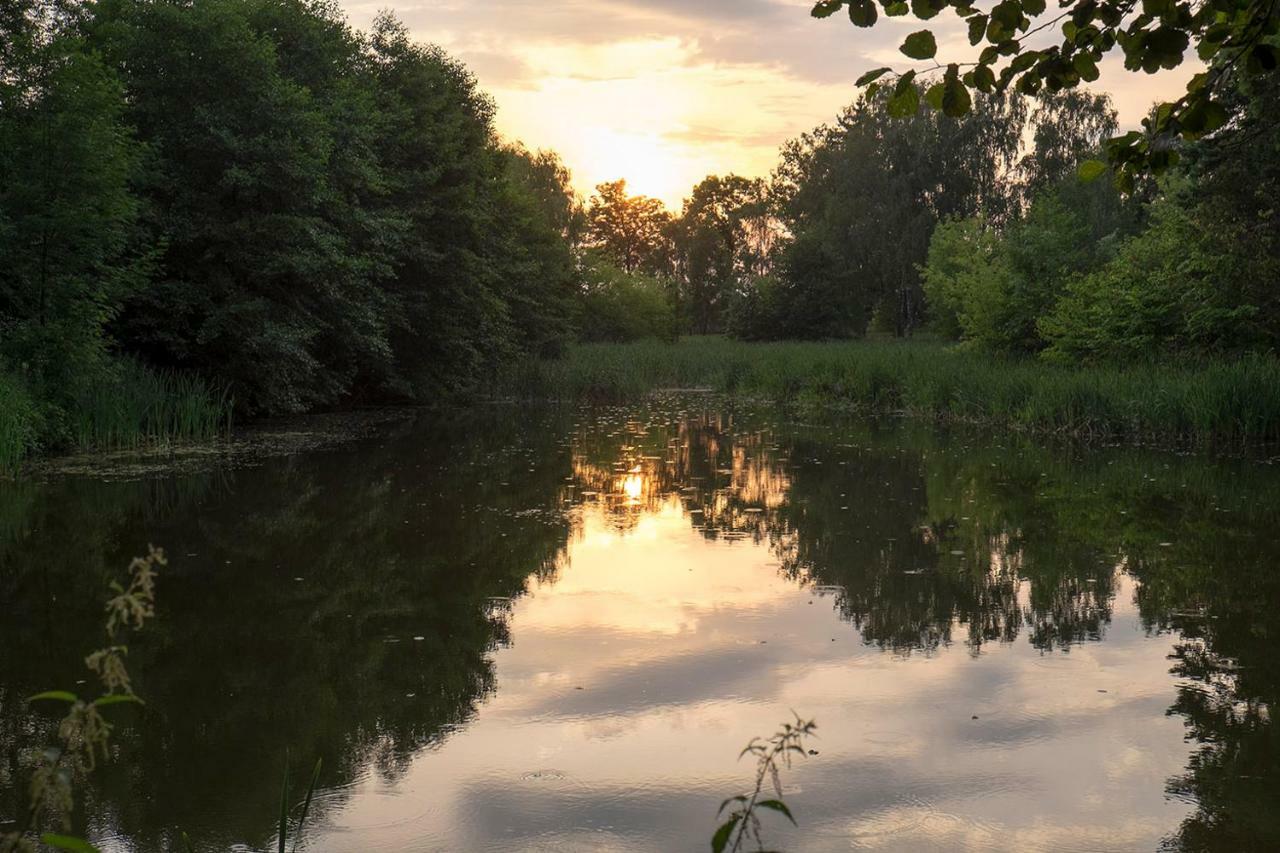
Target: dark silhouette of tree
x=630 y=230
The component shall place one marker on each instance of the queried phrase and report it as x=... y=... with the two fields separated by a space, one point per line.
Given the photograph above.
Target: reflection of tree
x=405 y=551
x=410 y=548
x=1219 y=594
x=725 y=478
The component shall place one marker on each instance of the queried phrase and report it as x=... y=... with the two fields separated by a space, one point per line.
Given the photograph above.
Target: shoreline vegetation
x=1213 y=404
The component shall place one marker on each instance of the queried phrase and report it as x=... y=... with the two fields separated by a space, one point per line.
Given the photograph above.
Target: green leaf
x=1091 y=170
x=60 y=695
x=977 y=29
x=721 y=838
x=1085 y=66
x=67 y=842
x=905 y=99
x=872 y=75
x=1261 y=59
x=926 y=9
x=897 y=8
x=920 y=45
x=1033 y=7
x=826 y=8
x=984 y=79
x=956 y=100
x=863 y=12
x=777 y=806
x=116 y=699
x=933 y=96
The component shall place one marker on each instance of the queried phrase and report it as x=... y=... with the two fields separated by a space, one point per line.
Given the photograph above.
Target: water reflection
x=556 y=628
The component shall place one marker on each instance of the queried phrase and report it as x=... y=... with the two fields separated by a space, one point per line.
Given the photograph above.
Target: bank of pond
x=1228 y=404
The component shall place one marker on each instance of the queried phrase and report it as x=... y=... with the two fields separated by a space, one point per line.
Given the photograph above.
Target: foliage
x=66 y=213
x=1232 y=36
x=843 y=189
x=1174 y=289
x=743 y=823
x=253 y=192
x=619 y=306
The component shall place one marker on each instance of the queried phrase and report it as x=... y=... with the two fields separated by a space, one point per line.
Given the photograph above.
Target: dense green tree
x=67 y=242
x=862 y=198
x=717 y=244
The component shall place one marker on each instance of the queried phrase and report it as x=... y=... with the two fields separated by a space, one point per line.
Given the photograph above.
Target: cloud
x=663 y=92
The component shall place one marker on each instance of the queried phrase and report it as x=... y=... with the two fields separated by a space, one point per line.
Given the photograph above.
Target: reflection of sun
x=633 y=486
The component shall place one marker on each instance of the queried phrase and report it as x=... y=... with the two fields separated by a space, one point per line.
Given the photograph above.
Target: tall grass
x=128 y=407
x=20 y=423
x=1210 y=403
x=139 y=406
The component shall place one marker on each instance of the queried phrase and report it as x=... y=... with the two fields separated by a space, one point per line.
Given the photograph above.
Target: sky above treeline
x=665 y=92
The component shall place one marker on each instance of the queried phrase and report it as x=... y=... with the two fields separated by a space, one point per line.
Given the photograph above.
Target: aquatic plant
x=742 y=824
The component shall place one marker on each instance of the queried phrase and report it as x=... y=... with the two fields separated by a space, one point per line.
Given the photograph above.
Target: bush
x=617 y=306
x=1170 y=290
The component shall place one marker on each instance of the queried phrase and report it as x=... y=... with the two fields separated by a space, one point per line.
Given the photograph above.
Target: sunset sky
x=665 y=92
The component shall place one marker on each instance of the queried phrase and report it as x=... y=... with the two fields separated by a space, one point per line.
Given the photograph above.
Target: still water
x=555 y=630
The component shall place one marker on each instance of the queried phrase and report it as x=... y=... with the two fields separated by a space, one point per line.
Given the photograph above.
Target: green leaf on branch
x=863 y=12
x=905 y=99
x=826 y=8
x=977 y=29
x=59 y=695
x=116 y=699
x=956 y=100
x=920 y=45
x=721 y=838
x=777 y=806
x=871 y=76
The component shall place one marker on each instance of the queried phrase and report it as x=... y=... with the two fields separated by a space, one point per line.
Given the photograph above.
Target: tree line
x=995 y=227
x=307 y=215
x=253 y=190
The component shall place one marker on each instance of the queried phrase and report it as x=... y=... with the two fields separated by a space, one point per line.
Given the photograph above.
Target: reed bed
x=1228 y=401
x=140 y=407
x=129 y=407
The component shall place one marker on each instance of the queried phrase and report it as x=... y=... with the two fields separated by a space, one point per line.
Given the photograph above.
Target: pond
x=555 y=629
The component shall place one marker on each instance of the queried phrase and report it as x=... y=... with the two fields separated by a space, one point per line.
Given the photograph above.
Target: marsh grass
x=129 y=407
x=139 y=406
x=1226 y=402
x=19 y=423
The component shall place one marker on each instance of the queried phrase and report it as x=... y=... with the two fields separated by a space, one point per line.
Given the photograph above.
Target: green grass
x=145 y=407
x=1225 y=402
x=132 y=406
x=20 y=423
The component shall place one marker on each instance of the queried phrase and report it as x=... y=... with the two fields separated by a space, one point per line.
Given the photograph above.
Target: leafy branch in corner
x=1233 y=37
x=742 y=825
x=84 y=734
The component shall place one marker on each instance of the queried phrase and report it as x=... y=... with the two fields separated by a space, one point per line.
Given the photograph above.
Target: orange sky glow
x=665 y=92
